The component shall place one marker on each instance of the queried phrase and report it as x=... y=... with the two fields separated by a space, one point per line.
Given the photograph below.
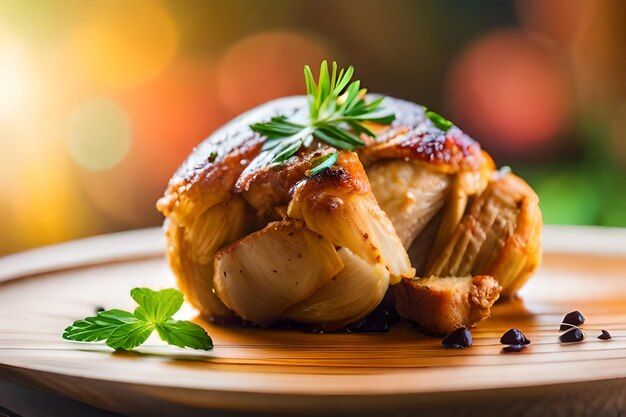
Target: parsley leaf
x=337 y=112
x=130 y=335
x=125 y=331
x=94 y=329
x=184 y=334
x=156 y=306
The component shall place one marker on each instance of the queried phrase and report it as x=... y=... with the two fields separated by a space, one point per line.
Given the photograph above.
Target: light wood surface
x=255 y=371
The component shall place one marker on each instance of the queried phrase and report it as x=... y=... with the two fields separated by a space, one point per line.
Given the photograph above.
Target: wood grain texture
x=256 y=371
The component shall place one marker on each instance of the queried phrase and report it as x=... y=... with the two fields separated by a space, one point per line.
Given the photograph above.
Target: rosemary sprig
x=438 y=120
x=337 y=112
x=321 y=163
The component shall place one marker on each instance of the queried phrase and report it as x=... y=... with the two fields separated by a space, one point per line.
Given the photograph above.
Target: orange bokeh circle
x=265 y=66
x=510 y=91
x=119 y=44
x=169 y=115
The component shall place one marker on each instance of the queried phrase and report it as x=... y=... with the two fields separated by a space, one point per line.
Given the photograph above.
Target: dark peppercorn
x=572 y=335
x=375 y=322
x=575 y=318
x=605 y=335
x=389 y=300
x=392 y=317
x=514 y=337
x=227 y=320
x=513 y=348
x=460 y=338
x=388 y=304
x=99 y=309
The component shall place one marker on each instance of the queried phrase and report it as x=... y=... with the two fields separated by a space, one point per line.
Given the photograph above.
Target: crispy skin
x=203 y=181
x=210 y=174
x=269 y=190
x=413 y=136
x=451 y=152
x=440 y=305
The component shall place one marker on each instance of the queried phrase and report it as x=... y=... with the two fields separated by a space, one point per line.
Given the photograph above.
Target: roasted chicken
x=267 y=243
x=440 y=305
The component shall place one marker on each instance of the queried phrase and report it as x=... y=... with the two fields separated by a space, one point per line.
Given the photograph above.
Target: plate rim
x=149 y=244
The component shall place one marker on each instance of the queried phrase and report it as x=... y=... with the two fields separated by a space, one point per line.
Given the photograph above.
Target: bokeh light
x=99 y=134
x=511 y=92
x=265 y=66
x=618 y=133
x=579 y=199
x=121 y=44
x=16 y=78
x=170 y=115
x=560 y=20
x=119 y=195
x=185 y=100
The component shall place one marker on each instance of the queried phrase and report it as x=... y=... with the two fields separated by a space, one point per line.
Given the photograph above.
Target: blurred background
x=100 y=101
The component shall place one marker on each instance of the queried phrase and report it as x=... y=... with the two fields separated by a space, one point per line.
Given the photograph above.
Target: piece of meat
x=449 y=152
x=439 y=305
x=422 y=246
x=191 y=250
x=269 y=190
x=410 y=187
x=339 y=205
x=410 y=193
x=499 y=236
x=413 y=194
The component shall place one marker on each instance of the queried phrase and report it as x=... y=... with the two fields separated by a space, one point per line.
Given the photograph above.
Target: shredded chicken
x=410 y=193
x=499 y=236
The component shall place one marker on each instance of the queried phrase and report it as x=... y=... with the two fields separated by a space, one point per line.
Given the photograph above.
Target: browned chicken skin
x=440 y=305
x=415 y=200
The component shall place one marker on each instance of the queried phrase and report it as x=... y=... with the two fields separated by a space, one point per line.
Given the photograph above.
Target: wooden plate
x=255 y=371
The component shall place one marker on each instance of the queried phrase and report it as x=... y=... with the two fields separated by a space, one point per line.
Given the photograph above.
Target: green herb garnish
x=337 y=111
x=438 y=120
x=321 y=163
x=125 y=331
